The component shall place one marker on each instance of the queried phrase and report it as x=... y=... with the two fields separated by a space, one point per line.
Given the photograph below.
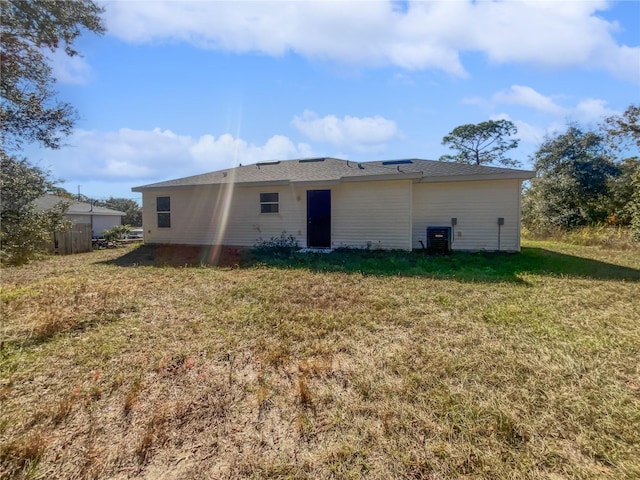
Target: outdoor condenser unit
x=438 y=239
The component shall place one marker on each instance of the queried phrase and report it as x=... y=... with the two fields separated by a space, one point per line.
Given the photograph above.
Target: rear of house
x=333 y=203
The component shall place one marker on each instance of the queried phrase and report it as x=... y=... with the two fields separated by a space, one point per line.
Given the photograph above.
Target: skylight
x=311 y=160
x=397 y=162
x=262 y=164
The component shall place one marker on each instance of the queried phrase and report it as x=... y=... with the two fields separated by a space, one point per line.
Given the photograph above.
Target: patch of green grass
x=352 y=364
x=462 y=266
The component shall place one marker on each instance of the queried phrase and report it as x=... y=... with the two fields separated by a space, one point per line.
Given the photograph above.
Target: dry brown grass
x=594 y=235
x=111 y=371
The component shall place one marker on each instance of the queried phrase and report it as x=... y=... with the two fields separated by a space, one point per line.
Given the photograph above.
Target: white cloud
x=585 y=111
x=367 y=134
x=592 y=110
x=528 y=97
x=527 y=133
x=70 y=70
x=423 y=35
x=153 y=155
x=228 y=150
x=477 y=101
x=623 y=61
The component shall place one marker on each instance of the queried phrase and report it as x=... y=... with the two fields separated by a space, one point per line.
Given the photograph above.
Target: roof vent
x=397 y=162
x=311 y=160
x=360 y=166
x=262 y=164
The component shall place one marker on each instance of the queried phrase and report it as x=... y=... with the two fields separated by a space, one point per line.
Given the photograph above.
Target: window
x=269 y=203
x=163 y=209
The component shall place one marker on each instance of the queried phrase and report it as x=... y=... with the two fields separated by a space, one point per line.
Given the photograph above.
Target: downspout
x=410 y=215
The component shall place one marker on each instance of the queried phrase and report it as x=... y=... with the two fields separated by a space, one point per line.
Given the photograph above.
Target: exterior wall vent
x=439 y=240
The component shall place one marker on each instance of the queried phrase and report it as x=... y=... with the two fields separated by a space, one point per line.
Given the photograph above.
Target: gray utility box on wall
x=438 y=239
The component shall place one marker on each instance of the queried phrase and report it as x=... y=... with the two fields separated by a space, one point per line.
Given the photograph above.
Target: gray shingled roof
x=336 y=170
x=48 y=201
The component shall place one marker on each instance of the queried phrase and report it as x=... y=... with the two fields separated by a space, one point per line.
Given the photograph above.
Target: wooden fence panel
x=75 y=240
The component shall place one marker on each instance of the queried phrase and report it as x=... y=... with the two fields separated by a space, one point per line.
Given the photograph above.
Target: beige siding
x=368 y=213
x=477 y=206
x=384 y=214
x=372 y=214
x=218 y=216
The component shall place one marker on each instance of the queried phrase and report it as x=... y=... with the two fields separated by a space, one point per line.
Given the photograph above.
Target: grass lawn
x=347 y=365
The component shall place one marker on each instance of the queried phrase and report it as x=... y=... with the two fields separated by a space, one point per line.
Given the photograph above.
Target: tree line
x=583 y=176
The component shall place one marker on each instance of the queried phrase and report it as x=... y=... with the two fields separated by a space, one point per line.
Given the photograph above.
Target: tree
x=620 y=201
x=130 y=207
x=29 y=111
x=484 y=143
x=623 y=129
x=622 y=133
x=575 y=172
x=24 y=231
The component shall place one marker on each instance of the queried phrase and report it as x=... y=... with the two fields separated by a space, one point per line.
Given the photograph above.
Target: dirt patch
x=185 y=255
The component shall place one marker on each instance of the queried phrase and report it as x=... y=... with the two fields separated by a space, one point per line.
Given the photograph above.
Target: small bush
x=282 y=246
x=117 y=232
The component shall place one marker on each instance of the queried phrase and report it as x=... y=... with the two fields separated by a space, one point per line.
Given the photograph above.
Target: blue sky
x=180 y=88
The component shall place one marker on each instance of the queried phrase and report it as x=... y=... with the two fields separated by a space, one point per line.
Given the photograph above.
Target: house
x=86 y=219
x=332 y=203
x=98 y=218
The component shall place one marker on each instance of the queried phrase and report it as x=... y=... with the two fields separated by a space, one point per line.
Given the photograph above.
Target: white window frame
x=266 y=204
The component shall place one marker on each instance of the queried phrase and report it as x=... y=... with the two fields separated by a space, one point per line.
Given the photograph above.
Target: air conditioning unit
x=438 y=239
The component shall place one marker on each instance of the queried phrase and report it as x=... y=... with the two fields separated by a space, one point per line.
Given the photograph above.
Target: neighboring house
x=98 y=218
x=332 y=203
x=86 y=220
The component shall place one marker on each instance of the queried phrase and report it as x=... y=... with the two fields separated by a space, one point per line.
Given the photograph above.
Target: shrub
x=24 y=231
x=634 y=206
x=117 y=232
x=282 y=246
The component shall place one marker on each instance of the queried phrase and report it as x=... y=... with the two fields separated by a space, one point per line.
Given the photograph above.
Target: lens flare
x=221 y=217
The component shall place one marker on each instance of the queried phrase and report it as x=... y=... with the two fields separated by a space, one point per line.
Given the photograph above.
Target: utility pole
x=79 y=192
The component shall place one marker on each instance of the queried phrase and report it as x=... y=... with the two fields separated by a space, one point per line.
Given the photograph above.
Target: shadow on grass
x=45 y=333
x=468 y=267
